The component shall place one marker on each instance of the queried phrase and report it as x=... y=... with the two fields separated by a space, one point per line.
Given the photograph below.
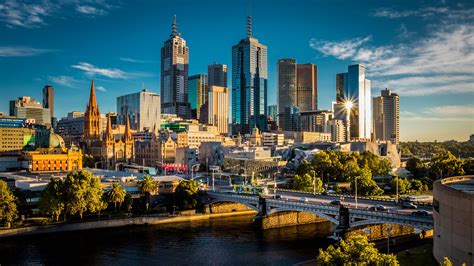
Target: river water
x=223 y=241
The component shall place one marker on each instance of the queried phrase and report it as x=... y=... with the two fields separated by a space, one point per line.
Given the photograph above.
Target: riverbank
x=134 y=221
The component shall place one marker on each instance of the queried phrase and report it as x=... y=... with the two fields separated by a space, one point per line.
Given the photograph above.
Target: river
x=224 y=241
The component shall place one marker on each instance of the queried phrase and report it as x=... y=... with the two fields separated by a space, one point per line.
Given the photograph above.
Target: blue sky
x=423 y=50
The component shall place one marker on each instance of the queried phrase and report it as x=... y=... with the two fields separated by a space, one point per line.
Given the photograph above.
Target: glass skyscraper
x=249 y=84
x=353 y=86
x=142 y=108
x=198 y=88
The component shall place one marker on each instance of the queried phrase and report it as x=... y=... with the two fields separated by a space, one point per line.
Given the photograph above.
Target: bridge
x=341 y=216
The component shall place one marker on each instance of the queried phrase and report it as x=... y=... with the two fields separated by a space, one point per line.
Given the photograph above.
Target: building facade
x=27 y=107
x=217 y=75
x=386 y=116
x=307 y=87
x=354 y=87
x=15 y=135
x=198 y=89
x=117 y=148
x=48 y=99
x=174 y=75
x=142 y=108
x=249 y=84
x=71 y=128
x=92 y=126
x=315 y=121
x=218 y=108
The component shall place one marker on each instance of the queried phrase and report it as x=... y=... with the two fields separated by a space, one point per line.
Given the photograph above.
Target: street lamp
x=192 y=170
x=348 y=105
x=355 y=183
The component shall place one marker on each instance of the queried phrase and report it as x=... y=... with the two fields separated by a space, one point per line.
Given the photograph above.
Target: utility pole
x=355 y=182
x=397 y=189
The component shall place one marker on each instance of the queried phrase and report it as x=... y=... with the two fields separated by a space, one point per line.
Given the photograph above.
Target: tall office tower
x=386 y=116
x=286 y=82
x=142 y=108
x=249 y=84
x=27 y=107
x=353 y=86
x=174 y=75
x=315 y=121
x=48 y=98
x=218 y=108
x=92 y=119
x=292 y=118
x=297 y=86
x=217 y=75
x=272 y=112
x=307 y=87
x=197 y=93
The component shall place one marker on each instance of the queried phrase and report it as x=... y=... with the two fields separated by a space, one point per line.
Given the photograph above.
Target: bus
x=251 y=190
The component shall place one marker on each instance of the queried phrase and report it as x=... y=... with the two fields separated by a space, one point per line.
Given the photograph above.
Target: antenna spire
x=174 y=31
x=249 y=26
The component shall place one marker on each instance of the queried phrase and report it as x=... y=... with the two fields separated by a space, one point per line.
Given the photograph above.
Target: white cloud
x=426 y=12
x=64 y=80
x=18 y=51
x=90 y=10
x=16 y=13
x=92 y=70
x=440 y=63
x=100 y=88
x=466 y=110
x=132 y=60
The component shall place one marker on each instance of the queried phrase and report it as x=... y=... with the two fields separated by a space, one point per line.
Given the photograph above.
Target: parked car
x=303 y=199
x=336 y=202
x=409 y=205
x=420 y=213
x=378 y=207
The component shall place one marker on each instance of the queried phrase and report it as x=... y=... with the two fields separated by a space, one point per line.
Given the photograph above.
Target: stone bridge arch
x=322 y=215
x=364 y=223
x=222 y=206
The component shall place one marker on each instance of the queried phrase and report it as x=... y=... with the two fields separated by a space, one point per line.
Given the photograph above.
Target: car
x=420 y=213
x=328 y=192
x=409 y=205
x=277 y=196
x=335 y=202
x=303 y=199
x=377 y=207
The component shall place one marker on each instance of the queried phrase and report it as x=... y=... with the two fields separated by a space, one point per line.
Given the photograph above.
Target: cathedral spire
x=108 y=130
x=128 y=133
x=92 y=105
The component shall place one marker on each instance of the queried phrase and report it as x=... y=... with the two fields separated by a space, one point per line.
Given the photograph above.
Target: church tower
x=128 y=142
x=92 y=118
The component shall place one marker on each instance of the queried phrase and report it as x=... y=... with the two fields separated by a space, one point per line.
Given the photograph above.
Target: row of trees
x=426 y=149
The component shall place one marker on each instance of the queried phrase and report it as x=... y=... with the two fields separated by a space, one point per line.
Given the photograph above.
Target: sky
x=422 y=50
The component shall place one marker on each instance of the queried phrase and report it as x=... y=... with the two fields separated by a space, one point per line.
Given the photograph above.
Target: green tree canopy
x=304 y=168
x=366 y=186
x=8 y=208
x=416 y=167
x=186 y=195
x=356 y=250
x=116 y=194
x=445 y=164
x=468 y=166
x=403 y=185
x=305 y=183
x=52 y=198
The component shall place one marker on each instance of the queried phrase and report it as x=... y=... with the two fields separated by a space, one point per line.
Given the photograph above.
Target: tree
x=88 y=161
x=322 y=163
x=116 y=194
x=366 y=186
x=403 y=185
x=376 y=165
x=417 y=185
x=468 y=166
x=356 y=250
x=416 y=167
x=52 y=198
x=8 y=208
x=445 y=164
x=128 y=202
x=304 y=168
x=186 y=195
x=305 y=183
x=147 y=186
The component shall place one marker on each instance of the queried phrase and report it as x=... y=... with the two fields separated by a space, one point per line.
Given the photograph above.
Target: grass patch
x=421 y=255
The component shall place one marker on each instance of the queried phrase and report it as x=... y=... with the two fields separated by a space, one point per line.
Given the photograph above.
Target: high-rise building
x=71 y=128
x=218 y=108
x=174 y=75
x=197 y=93
x=386 y=116
x=292 y=118
x=354 y=87
x=217 y=74
x=142 y=108
x=27 y=107
x=315 y=121
x=48 y=98
x=297 y=86
x=286 y=82
x=307 y=87
x=272 y=112
x=249 y=84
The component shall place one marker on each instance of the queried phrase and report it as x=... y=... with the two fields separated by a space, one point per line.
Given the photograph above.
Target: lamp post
x=348 y=105
x=192 y=170
x=355 y=183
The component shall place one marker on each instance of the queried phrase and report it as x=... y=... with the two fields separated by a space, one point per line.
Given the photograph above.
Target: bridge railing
x=358 y=213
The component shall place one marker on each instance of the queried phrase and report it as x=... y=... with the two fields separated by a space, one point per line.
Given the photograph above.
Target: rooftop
x=466 y=186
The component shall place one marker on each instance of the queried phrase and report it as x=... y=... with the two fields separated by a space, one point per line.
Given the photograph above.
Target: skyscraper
x=386 y=116
x=197 y=93
x=217 y=75
x=218 y=108
x=286 y=82
x=174 y=75
x=354 y=87
x=307 y=87
x=142 y=108
x=48 y=98
x=297 y=86
x=249 y=84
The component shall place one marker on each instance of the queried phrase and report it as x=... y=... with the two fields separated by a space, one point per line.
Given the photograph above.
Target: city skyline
x=435 y=88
